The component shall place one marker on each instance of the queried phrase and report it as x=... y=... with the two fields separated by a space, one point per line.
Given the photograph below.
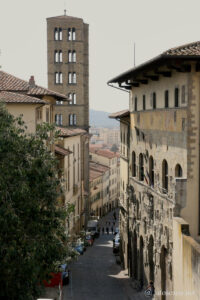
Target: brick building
x=68 y=68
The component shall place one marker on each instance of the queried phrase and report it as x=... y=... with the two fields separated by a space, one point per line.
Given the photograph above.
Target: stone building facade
x=68 y=68
x=163 y=166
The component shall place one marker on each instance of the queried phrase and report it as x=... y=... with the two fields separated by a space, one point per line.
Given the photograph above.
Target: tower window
x=69 y=34
x=60 y=34
x=151 y=171
x=70 y=98
x=69 y=56
x=176 y=97
x=60 y=56
x=56 y=34
x=74 y=77
x=58 y=78
x=74 y=98
x=178 y=171
x=166 y=99
x=74 y=56
x=56 y=56
x=133 y=164
x=70 y=119
x=74 y=119
x=70 y=78
x=73 y=34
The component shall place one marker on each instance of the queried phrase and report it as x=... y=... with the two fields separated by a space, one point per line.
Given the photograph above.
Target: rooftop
x=98 y=167
x=65 y=132
x=11 y=83
x=104 y=152
x=62 y=151
x=187 y=51
x=10 y=97
x=120 y=114
x=94 y=174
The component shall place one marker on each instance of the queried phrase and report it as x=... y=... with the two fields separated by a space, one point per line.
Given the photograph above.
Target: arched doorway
x=141 y=262
x=163 y=271
x=150 y=257
x=135 y=257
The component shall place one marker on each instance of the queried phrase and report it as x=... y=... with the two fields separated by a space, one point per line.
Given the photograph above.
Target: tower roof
x=65 y=17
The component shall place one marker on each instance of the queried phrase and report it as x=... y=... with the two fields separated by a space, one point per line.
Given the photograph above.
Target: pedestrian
x=107 y=230
x=112 y=229
x=102 y=230
x=150 y=290
x=113 y=223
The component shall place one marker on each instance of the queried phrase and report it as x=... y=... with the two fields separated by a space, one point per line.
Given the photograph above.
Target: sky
x=115 y=25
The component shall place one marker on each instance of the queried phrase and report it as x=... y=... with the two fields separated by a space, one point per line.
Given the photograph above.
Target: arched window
x=60 y=34
x=56 y=56
x=69 y=77
x=178 y=171
x=69 y=34
x=141 y=167
x=166 y=99
x=60 y=78
x=56 y=77
x=60 y=56
x=70 y=98
x=74 y=98
x=70 y=119
x=74 y=119
x=74 y=77
x=151 y=171
x=165 y=176
x=69 y=56
x=133 y=164
x=73 y=34
x=56 y=34
x=74 y=56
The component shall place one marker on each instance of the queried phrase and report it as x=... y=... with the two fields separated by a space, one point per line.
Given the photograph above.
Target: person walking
x=107 y=230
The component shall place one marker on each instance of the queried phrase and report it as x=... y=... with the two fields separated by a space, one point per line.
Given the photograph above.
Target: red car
x=53 y=288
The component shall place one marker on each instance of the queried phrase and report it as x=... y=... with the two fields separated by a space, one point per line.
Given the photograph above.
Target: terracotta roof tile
x=120 y=114
x=98 y=167
x=62 y=151
x=9 y=82
x=10 y=97
x=183 y=51
x=94 y=174
x=65 y=132
x=106 y=153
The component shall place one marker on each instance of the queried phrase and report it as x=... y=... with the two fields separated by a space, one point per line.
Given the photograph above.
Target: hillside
x=101 y=119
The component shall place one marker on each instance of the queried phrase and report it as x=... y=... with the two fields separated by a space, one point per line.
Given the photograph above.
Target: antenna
x=134 y=54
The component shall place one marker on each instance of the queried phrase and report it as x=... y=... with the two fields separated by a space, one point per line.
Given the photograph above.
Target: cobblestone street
x=96 y=275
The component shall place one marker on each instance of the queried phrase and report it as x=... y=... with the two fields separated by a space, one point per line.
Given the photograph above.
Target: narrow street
x=97 y=276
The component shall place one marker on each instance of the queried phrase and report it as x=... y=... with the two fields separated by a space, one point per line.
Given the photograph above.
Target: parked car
x=65 y=274
x=89 y=240
x=116 y=244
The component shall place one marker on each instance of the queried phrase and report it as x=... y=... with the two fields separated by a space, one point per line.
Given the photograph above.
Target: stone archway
x=150 y=258
x=141 y=262
x=163 y=271
x=135 y=257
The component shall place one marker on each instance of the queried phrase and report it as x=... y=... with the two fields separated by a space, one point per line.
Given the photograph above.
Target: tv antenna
x=65 y=8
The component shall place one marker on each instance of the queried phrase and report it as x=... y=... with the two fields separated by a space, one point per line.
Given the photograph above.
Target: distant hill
x=101 y=119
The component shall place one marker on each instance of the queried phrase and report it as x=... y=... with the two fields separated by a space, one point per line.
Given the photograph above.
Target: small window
x=69 y=34
x=70 y=78
x=133 y=164
x=60 y=34
x=151 y=171
x=74 y=77
x=56 y=77
x=69 y=56
x=58 y=119
x=74 y=119
x=144 y=102
x=74 y=56
x=60 y=78
x=154 y=100
x=74 y=98
x=73 y=34
x=70 y=98
x=178 y=171
x=70 y=119
x=141 y=167
x=166 y=99
x=135 y=103
x=176 y=97
x=183 y=94
x=60 y=56
x=56 y=56
x=56 y=34
x=165 y=176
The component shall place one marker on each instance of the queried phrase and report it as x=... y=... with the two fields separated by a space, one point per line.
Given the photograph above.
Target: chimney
x=32 y=81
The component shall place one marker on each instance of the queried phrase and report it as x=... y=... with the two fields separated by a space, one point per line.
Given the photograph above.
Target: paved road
x=96 y=276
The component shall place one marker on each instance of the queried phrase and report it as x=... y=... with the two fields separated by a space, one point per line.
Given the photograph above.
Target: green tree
x=32 y=224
